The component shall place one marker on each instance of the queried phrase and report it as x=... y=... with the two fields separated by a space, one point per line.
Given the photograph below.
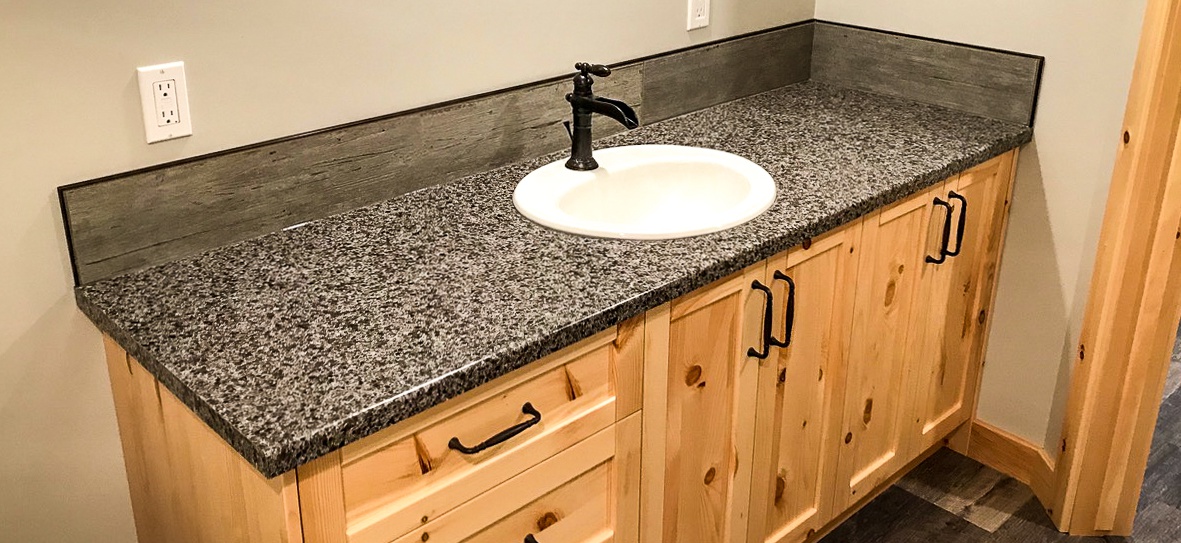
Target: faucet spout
x=621 y=112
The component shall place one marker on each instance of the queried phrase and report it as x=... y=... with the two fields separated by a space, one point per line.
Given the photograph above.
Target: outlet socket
x=698 y=14
x=164 y=96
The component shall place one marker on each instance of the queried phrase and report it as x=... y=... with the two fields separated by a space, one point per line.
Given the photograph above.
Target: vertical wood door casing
x=800 y=391
x=1132 y=305
x=187 y=485
x=872 y=446
x=948 y=322
x=699 y=425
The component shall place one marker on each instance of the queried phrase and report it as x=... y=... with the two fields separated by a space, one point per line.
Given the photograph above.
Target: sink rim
x=538 y=195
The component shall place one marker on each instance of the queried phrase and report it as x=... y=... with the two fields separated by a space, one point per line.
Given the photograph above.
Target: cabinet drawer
x=567 y=498
x=395 y=483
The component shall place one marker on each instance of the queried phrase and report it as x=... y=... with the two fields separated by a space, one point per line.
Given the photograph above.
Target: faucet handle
x=593 y=69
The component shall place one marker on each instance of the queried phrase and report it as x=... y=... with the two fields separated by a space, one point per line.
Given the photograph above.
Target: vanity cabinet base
x=766 y=407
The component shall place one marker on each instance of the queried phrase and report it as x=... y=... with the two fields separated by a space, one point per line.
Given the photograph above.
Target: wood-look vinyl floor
x=953 y=499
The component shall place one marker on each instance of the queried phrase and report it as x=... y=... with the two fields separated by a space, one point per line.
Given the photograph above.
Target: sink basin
x=647 y=192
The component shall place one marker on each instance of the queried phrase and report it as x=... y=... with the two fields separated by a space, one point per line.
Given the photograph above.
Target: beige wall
x=1061 y=182
x=257 y=70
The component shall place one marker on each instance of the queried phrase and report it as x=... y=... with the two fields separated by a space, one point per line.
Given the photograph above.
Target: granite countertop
x=296 y=343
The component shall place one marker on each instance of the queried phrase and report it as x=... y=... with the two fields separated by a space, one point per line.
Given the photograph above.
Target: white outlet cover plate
x=179 y=121
x=698 y=14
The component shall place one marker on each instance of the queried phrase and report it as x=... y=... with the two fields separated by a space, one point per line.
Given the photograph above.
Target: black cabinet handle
x=959 y=236
x=530 y=539
x=789 y=312
x=946 y=234
x=502 y=436
x=767 y=318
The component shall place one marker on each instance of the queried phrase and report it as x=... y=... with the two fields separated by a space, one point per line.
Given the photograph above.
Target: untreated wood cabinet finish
x=760 y=409
x=699 y=411
x=800 y=390
x=187 y=485
x=405 y=477
x=946 y=332
x=893 y=246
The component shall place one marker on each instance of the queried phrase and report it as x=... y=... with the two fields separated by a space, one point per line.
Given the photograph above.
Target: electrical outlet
x=164 y=96
x=698 y=14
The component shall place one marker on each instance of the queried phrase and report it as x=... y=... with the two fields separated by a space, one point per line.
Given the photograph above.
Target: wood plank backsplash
x=138 y=219
x=986 y=82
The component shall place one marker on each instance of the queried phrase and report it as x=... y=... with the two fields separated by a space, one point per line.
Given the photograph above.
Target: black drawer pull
x=789 y=311
x=946 y=234
x=503 y=435
x=959 y=236
x=767 y=317
x=530 y=539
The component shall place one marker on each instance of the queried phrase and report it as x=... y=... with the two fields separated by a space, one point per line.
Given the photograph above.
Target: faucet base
x=582 y=164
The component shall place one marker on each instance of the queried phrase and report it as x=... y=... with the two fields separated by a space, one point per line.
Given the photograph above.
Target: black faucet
x=585 y=105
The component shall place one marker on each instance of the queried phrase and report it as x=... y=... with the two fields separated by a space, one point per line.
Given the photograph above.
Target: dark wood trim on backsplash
x=148 y=216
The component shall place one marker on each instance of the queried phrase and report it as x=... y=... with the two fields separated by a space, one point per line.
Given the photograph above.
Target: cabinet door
x=948 y=324
x=872 y=448
x=800 y=390
x=699 y=412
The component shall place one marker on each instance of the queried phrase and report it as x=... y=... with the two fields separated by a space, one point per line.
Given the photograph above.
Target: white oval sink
x=647 y=192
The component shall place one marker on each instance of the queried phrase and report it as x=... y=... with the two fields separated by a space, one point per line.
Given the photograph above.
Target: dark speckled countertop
x=298 y=342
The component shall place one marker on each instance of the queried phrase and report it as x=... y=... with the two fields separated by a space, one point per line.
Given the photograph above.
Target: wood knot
x=425 y=519
x=1127 y=137
x=891 y=289
x=710 y=475
x=807 y=244
x=980 y=318
x=425 y=536
x=546 y=520
x=693 y=376
x=868 y=414
x=780 y=487
x=848 y=437
x=1082 y=352
x=782 y=375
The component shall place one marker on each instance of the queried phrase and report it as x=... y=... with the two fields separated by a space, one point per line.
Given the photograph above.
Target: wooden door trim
x=1134 y=301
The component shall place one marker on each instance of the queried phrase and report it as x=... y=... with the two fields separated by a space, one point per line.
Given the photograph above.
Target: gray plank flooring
x=953 y=499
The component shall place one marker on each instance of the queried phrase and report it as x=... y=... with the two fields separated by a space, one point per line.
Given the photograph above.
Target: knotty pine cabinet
x=699 y=404
x=801 y=389
x=947 y=334
x=761 y=408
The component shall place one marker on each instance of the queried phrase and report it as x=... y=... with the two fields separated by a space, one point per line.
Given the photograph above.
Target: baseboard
x=1014 y=456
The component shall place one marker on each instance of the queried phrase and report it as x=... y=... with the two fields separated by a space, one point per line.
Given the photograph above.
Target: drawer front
x=393 y=487
x=567 y=498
